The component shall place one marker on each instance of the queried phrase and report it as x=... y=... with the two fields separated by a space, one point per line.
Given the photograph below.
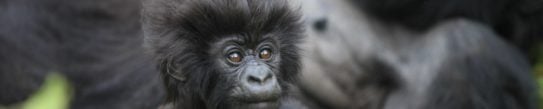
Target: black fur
x=96 y=44
x=518 y=21
x=181 y=33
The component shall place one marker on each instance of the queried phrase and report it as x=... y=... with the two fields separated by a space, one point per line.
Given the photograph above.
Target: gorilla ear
x=172 y=71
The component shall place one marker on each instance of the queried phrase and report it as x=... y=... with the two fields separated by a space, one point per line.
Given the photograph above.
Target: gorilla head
x=224 y=53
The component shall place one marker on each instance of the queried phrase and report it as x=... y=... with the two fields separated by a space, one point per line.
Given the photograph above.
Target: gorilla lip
x=258 y=99
x=262 y=104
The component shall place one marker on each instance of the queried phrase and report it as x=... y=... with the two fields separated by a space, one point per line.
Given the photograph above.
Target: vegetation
x=55 y=93
x=539 y=75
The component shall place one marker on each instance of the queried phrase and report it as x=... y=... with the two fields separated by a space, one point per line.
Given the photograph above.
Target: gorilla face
x=224 y=54
x=250 y=69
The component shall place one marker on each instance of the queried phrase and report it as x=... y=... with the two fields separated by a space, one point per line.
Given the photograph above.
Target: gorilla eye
x=235 y=57
x=265 y=54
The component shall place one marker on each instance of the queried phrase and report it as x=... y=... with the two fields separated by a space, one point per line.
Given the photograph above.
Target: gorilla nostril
x=254 y=79
x=260 y=78
x=268 y=77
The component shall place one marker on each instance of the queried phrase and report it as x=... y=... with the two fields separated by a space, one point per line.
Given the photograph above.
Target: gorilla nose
x=259 y=78
x=260 y=83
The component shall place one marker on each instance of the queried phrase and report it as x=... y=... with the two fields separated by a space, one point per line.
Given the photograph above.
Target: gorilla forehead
x=205 y=20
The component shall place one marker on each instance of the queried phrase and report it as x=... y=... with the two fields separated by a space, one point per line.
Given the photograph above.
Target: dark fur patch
x=518 y=21
x=96 y=44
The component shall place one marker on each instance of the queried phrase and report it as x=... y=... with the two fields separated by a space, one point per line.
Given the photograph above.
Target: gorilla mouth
x=245 y=96
x=258 y=102
x=261 y=105
x=270 y=100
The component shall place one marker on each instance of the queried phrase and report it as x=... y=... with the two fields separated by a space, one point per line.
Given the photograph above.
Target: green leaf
x=54 y=94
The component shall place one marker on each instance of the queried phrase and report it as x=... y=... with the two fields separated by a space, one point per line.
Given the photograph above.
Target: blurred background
x=88 y=54
x=539 y=74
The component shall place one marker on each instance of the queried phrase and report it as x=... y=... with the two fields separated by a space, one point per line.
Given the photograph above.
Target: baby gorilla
x=224 y=53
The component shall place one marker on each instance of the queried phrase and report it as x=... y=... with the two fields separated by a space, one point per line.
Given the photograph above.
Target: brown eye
x=265 y=54
x=234 y=57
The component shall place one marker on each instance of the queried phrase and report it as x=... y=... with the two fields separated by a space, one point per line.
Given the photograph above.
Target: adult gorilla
x=357 y=57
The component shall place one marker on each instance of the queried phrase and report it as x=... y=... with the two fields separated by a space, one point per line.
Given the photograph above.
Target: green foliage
x=55 y=93
x=540 y=82
x=539 y=74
